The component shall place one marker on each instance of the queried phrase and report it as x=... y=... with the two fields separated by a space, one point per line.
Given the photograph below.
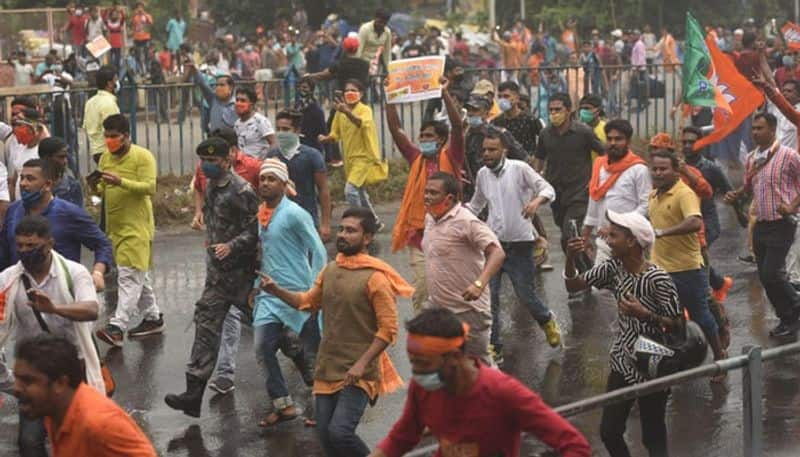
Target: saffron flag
x=740 y=95
x=791 y=35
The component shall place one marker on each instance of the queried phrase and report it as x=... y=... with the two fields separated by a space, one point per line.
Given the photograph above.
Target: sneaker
x=336 y=164
x=222 y=386
x=148 y=327
x=783 y=330
x=496 y=353
x=545 y=267
x=552 y=331
x=722 y=293
x=111 y=334
x=747 y=258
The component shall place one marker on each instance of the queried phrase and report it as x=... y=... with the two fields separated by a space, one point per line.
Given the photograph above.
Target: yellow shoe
x=553 y=332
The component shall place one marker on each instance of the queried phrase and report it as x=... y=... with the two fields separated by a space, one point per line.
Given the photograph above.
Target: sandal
x=275 y=418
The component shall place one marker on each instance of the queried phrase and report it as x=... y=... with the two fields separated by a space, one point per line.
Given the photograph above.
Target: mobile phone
x=96 y=174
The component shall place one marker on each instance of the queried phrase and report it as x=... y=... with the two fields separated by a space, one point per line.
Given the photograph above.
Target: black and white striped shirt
x=653 y=288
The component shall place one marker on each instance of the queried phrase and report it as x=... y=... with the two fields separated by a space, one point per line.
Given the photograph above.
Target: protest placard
x=412 y=80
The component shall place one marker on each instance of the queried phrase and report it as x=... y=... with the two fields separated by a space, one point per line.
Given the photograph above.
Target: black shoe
x=148 y=327
x=747 y=258
x=190 y=401
x=784 y=330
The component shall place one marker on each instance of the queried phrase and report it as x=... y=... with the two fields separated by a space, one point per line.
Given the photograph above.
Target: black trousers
x=652 y=409
x=771 y=243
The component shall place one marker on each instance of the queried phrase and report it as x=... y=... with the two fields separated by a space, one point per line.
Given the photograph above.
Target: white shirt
x=16 y=156
x=630 y=193
x=83 y=288
x=22 y=74
x=252 y=135
x=786 y=131
x=507 y=193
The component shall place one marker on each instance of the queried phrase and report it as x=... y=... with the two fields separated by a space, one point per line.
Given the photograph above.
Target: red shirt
x=95 y=426
x=246 y=166
x=165 y=59
x=487 y=421
x=115 y=29
x=77 y=28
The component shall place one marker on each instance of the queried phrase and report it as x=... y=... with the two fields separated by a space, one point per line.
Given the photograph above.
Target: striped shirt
x=776 y=182
x=653 y=288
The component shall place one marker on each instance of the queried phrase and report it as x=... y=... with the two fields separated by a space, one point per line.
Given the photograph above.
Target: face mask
x=428 y=148
x=429 y=381
x=288 y=141
x=352 y=97
x=30 y=198
x=211 y=170
x=117 y=86
x=57 y=68
x=586 y=116
x=24 y=134
x=114 y=144
x=788 y=61
x=79 y=12
x=474 y=121
x=33 y=259
x=438 y=210
x=504 y=104
x=499 y=167
x=558 y=119
x=242 y=108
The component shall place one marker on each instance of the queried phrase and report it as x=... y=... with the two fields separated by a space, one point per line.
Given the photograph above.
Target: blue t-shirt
x=302 y=167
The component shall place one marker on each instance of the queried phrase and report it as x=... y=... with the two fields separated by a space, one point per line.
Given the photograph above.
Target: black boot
x=190 y=401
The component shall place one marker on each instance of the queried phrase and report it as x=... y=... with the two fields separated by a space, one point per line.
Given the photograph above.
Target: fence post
x=752 y=388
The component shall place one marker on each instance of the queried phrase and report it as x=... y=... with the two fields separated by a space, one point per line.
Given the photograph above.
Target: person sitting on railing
x=648 y=304
x=469 y=407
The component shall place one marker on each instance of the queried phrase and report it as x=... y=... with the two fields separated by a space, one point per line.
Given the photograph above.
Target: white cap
x=616 y=33
x=638 y=225
x=738 y=32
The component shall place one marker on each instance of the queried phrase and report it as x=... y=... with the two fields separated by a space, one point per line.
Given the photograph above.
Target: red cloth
x=486 y=421
x=165 y=59
x=246 y=166
x=77 y=29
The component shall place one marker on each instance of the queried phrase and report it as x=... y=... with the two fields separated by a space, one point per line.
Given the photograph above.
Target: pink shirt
x=453 y=248
x=777 y=182
x=638 y=54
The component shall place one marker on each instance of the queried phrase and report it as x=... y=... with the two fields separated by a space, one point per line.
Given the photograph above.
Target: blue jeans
x=358 y=196
x=32 y=437
x=692 y=288
x=337 y=418
x=229 y=344
x=268 y=339
x=520 y=267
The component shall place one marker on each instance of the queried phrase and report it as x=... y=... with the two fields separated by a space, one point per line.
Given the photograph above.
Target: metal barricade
x=169 y=119
x=751 y=364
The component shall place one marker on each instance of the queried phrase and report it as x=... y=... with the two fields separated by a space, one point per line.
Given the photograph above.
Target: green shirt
x=129 y=210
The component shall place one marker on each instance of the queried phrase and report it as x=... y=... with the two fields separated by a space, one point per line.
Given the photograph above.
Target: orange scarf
x=265 y=214
x=390 y=378
x=411 y=216
x=598 y=190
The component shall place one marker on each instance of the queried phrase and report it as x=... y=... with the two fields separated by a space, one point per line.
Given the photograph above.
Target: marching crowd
x=481 y=167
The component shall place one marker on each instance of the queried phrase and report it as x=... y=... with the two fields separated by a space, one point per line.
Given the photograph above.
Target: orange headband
x=427 y=345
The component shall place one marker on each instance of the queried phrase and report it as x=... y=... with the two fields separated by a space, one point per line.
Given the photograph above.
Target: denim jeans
x=520 y=267
x=268 y=339
x=692 y=288
x=32 y=437
x=229 y=346
x=337 y=418
x=358 y=196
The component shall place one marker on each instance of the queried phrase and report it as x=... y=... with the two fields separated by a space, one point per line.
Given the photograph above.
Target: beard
x=346 y=249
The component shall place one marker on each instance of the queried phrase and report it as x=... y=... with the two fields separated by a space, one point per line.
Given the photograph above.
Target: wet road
x=704 y=420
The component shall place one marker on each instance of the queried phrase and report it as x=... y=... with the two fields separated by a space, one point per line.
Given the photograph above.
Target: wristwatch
x=478 y=284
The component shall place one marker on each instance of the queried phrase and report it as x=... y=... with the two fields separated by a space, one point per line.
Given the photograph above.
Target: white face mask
x=117 y=86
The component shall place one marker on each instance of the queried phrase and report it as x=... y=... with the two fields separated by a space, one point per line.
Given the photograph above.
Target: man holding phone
x=126 y=179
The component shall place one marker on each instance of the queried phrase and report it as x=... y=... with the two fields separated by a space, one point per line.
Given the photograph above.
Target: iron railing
x=168 y=119
x=751 y=364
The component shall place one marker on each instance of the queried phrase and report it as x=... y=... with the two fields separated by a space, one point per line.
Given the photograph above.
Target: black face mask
x=32 y=260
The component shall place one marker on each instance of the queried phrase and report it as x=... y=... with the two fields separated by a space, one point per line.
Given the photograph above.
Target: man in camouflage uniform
x=230 y=211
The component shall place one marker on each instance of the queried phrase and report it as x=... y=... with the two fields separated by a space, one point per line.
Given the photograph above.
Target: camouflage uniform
x=230 y=216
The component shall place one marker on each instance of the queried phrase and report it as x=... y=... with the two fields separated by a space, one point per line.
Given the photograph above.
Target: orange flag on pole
x=791 y=35
x=741 y=95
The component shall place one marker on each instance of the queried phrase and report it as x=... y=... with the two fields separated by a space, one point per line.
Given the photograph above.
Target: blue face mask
x=211 y=170
x=504 y=104
x=429 y=381
x=428 y=148
x=474 y=121
x=29 y=198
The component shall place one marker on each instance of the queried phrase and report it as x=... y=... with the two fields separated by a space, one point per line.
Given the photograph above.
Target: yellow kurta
x=129 y=210
x=362 y=155
x=600 y=131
